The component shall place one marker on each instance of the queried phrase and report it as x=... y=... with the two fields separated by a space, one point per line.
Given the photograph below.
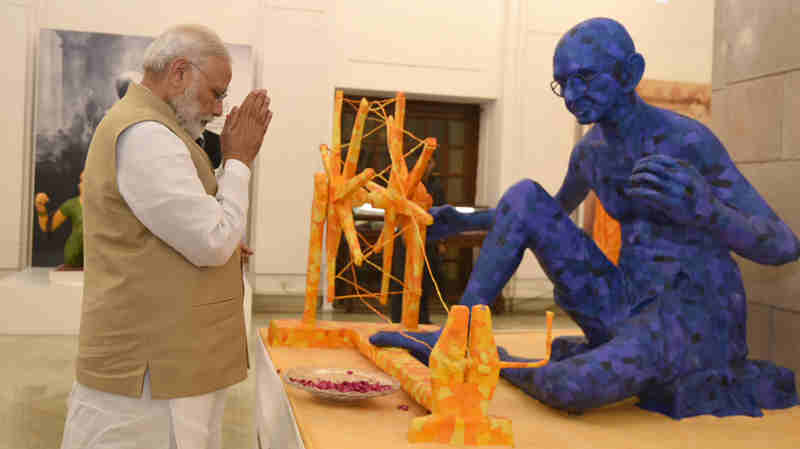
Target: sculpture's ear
x=634 y=70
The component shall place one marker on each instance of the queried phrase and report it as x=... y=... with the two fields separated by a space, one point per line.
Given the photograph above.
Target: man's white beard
x=186 y=109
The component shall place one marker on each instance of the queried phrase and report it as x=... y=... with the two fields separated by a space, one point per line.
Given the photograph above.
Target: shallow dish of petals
x=341 y=384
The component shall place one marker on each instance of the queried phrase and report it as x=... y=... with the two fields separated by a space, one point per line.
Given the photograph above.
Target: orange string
x=368 y=295
x=380 y=174
x=370 y=252
x=428 y=265
x=382 y=316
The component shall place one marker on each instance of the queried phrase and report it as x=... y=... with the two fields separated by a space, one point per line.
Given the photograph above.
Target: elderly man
x=667 y=324
x=162 y=329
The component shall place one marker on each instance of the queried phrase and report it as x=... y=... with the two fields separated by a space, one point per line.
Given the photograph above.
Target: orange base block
x=296 y=334
x=452 y=429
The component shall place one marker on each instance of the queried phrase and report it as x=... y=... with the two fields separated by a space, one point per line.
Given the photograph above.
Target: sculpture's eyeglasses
x=584 y=77
x=217 y=95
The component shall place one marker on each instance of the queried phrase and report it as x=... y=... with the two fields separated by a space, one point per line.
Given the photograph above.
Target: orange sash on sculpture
x=606 y=232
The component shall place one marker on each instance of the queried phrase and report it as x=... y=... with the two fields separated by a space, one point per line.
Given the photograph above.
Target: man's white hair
x=194 y=42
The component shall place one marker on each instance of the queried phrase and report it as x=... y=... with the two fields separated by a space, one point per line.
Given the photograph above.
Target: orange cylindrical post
x=318 y=215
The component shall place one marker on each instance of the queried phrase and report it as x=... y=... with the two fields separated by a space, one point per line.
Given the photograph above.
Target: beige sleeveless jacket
x=144 y=305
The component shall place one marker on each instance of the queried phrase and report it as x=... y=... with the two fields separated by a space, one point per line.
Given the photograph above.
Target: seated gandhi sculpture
x=668 y=323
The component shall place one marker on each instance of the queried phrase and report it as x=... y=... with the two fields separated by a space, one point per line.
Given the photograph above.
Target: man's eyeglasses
x=584 y=77
x=217 y=95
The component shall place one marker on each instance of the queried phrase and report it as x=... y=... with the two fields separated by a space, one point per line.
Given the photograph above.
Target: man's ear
x=177 y=77
x=634 y=70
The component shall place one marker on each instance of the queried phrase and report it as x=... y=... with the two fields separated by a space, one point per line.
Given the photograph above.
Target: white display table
x=275 y=421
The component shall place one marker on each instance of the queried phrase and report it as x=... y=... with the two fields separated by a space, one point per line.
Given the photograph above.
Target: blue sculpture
x=667 y=324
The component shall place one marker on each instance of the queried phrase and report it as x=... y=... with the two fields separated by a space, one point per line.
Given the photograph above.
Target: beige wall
x=756 y=108
x=497 y=53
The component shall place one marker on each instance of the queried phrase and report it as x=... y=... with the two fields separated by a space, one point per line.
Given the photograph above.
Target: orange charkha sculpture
x=404 y=199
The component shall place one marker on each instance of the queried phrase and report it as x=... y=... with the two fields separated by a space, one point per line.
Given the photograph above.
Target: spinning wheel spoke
x=389 y=223
x=405 y=202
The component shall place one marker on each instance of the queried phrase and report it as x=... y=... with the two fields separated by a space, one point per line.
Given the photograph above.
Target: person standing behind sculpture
x=162 y=332
x=72 y=210
x=433 y=251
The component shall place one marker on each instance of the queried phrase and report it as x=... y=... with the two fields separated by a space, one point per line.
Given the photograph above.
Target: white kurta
x=158 y=180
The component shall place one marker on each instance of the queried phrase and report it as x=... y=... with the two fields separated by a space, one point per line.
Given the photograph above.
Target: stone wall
x=756 y=114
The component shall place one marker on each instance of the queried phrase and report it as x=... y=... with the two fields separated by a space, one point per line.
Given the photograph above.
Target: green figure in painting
x=71 y=209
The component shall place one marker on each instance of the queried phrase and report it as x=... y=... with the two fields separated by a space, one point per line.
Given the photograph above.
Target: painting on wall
x=80 y=76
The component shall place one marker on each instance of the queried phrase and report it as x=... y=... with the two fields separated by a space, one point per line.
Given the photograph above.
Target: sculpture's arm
x=40 y=206
x=711 y=193
x=448 y=221
x=58 y=220
x=43 y=219
x=575 y=187
x=744 y=221
x=40 y=202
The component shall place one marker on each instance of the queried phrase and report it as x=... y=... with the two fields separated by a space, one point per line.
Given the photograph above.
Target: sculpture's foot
x=452 y=429
x=520 y=377
x=744 y=388
x=419 y=350
x=568 y=346
x=506 y=357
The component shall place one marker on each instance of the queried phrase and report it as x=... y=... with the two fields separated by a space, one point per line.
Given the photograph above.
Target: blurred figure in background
x=433 y=251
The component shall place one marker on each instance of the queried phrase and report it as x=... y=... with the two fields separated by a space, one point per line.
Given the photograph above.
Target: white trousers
x=100 y=420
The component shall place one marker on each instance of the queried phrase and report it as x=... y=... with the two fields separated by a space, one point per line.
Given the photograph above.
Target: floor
x=39 y=370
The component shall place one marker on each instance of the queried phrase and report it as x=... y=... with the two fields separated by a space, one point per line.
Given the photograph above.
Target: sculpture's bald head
x=596 y=38
x=595 y=64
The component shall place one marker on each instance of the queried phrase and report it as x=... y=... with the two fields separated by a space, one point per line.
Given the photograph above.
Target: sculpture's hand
x=673 y=187
x=446 y=221
x=417 y=349
x=40 y=202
